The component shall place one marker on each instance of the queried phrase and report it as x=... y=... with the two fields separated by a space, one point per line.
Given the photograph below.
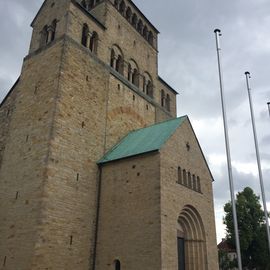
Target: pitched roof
x=143 y=140
x=225 y=246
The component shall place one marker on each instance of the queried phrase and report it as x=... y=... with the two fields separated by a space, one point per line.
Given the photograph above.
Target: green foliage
x=252 y=231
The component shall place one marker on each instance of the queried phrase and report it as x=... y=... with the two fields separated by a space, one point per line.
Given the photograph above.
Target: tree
x=224 y=261
x=252 y=231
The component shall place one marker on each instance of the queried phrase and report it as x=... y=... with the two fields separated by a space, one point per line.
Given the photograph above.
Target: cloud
x=187 y=60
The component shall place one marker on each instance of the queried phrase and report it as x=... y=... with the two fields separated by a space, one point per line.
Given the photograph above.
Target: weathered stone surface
x=68 y=108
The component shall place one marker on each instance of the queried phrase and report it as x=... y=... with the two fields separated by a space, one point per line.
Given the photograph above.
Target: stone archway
x=191 y=230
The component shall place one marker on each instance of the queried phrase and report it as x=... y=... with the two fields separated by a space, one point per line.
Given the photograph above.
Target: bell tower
x=71 y=104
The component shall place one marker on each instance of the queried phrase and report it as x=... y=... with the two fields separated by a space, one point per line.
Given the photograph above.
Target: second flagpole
x=228 y=152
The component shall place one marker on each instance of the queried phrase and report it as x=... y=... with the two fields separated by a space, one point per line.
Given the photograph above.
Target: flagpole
x=228 y=152
x=258 y=157
x=268 y=104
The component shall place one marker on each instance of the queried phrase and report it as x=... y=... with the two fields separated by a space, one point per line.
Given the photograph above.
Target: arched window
x=162 y=98
x=83 y=3
x=91 y=4
x=151 y=38
x=53 y=29
x=194 y=182
x=122 y=7
x=144 y=84
x=117 y=59
x=134 y=20
x=168 y=102
x=149 y=89
x=189 y=180
x=119 y=64
x=145 y=32
x=199 y=184
x=117 y=265
x=116 y=3
x=85 y=32
x=129 y=72
x=112 y=58
x=94 y=42
x=44 y=36
x=128 y=14
x=135 y=77
x=140 y=26
x=180 y=178
x=184 y=177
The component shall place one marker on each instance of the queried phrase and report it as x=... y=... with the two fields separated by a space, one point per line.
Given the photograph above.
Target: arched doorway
x=191 y=242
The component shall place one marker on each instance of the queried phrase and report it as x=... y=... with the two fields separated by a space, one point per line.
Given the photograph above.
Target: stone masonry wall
x=175 y=196
x=129 y=221
x=23 y=170
x=6 y=111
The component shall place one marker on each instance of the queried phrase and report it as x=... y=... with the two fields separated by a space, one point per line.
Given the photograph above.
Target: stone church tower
x=96 y=173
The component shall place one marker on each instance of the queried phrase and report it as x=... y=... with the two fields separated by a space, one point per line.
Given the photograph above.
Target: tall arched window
x=117 y=59
x=145 y=32
x=117 y=265
x=149 y=89
x=112 y=58
x=94 y=42
x=91 y=4
x=116 y=3
x=129 y=72
x=119 y=64
x=189 y=180
x=168 y=102
x=162 y=98
x=128 y=14
x=180 y=178
x=83 y=3
x=151 y=38
x=44 y=36
x=134 y=20
x=53 y=30
x=135 y=77
x=122 y=7
x=199 y=184
x=184 y=177
x=140 y=26
x=85 y=32
x=194 y=182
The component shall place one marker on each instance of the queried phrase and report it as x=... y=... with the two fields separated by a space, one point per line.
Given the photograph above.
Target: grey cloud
x=187 y=60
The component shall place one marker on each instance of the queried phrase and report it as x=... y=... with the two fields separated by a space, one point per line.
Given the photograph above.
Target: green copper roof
x=143 y=140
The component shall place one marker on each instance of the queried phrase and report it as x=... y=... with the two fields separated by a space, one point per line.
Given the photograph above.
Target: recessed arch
x=128 y=14
x=151 y=38
x=94 y=42
x=117 y=59
x=134 y=20
x=145 y=32
x=191 y=224
x=148 y=86
x=122 y=7
x=140 y=26
x=85 y=32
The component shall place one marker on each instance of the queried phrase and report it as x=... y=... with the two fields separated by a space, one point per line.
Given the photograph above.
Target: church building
x=96 y=170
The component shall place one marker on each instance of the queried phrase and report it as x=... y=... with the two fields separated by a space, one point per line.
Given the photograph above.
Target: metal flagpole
x=258 y=157
x=229 y=163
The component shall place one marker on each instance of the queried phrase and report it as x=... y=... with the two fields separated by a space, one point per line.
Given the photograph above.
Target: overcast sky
x=187 y=60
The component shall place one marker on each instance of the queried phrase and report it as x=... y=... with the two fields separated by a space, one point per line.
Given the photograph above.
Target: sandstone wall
x=129 y=221
x=23 y=171
x=174 y=197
